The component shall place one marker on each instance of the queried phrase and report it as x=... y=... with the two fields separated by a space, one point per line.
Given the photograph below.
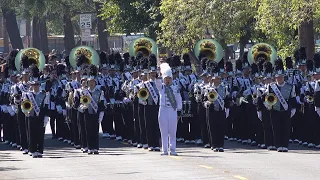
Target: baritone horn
x=85 y=101
x=212 y=96
x=26 y=106
x=271 y=99
x=143 y=94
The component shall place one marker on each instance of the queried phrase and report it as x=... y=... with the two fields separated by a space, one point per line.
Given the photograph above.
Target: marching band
x=265 y=102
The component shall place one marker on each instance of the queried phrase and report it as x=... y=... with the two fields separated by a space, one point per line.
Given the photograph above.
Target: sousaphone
x=262 y=50
x=146 y=45
x=89 y=52
x=34 y=55
x=212 y=49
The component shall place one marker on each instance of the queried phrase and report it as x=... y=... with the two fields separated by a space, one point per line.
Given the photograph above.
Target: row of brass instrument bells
x=271 y=99
x=85 y=100
x=26 y=106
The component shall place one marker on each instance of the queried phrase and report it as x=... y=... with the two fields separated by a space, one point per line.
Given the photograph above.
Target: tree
x=288 y=23
x=9 y=14
x=102 y=29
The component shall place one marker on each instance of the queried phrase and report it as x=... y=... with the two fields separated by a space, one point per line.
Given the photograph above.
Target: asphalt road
x=118 y=161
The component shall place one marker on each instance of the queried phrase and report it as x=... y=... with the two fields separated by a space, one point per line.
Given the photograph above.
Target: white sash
x=247 y=83
x=34 y=103
x=22 y=88
x=219 y=99
x=93 y=104
x=153 y=93
x=74 y=85
x=183 y=82
x=279 y=95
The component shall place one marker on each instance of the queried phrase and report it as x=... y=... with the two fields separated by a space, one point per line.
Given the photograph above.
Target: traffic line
x=207 y=167
x=240 y=177
x=175 y=157
x=125 y=143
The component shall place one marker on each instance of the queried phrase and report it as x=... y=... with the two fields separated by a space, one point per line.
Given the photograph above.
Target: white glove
x=259 y=113
x=227 y=112
x=10 y=111
x=101 y=114
x=81 y=109
x=293 y=111
x=318 y=111
x=298 y=100
x=126 y=100
x=64 y=112
x=4 y=109
x=45 y=121
x=267 y=106
x=234 y=94
x=59 y=109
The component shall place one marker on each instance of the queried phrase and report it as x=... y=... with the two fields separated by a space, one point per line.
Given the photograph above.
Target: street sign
x=85 y=35
x=85 y=21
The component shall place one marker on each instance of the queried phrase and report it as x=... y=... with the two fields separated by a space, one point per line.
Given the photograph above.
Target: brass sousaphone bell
x=34 y=55
x=89 y=52
x=262 y=50
x=210 y=48
x=145 y=45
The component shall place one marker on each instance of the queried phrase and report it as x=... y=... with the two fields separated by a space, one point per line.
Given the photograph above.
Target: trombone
x=26 y=106
x=143 y=94
x=85 y=101
x=212 y=96
x=271 y=99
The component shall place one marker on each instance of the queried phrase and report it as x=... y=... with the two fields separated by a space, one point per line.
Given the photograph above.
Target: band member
x=92 y=103
x=152 y=107
x=71 y=88
x=201 y=111
x=170 y=106
x=217 y=102
x=35 y=107
x=142 y=103
x=282 y=109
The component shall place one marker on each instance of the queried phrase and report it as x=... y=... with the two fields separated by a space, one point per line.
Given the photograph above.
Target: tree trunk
x=36 y=40
x=244 y=40
x=69 y=42
x=12 y=28
x=102 y=33
x=28 y=32
x=44 y=37
x=6 y=47
x=306 y=37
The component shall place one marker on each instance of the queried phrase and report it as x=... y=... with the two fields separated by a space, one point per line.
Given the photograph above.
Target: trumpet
x=309 y=99
x=85 y=100
x=271 y=99
x=143 y=94
x=212 y=96
x=26 y=106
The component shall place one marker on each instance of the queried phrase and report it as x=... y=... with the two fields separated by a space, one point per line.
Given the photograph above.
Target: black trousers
x=63 y=128
x=254 y=124
x=118 y=119
x=74 y=126
x=1 y=124
x=281 y=126
x=152 y=125
x=142 y=124
x=53 y=116
x=82 y=130
x=105 y=123
x=203 y=123
x=22 y=126
x=128 y=132
x=216 y=128
x=92 y=129
x=298 y=126
x=240 y=122
x=267 y=128
x=37 y=130
x=6 y=126
x=312 y=128
x=230 y=122
x=136 y=123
